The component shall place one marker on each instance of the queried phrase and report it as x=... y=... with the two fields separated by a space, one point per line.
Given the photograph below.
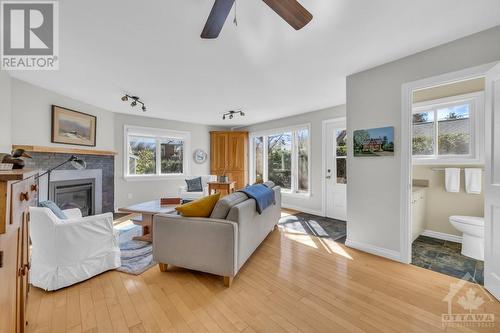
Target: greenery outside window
x=282 y=156
x=448 y=130
x=155 y=153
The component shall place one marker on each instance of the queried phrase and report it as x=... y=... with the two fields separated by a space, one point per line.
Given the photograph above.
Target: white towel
x=473 y=180
x=452 y=179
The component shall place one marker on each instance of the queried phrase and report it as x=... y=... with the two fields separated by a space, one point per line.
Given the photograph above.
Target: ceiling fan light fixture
x=134 y=103
x=125 y=98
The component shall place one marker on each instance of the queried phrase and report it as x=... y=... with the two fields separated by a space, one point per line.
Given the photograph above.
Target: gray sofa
x=220 y=244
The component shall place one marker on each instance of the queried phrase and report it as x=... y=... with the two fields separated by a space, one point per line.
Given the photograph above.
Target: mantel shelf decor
x=63 y=150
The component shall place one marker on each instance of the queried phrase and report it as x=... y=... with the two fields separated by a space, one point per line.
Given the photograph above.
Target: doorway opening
x=449 y=141
x=447 y=203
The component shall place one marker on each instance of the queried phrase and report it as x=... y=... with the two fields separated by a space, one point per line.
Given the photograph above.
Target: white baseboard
x=302 y=209
x=378 y=251
x=442 y=236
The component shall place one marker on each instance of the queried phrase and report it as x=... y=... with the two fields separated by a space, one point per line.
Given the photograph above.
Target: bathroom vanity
x=418 y=203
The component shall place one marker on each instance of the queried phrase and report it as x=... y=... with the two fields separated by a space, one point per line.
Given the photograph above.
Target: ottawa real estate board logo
x=29 y=35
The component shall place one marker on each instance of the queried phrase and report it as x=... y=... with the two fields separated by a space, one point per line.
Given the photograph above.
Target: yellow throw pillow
x=199 y=208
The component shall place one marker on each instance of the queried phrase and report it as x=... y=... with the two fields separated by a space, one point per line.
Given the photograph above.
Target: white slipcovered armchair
x=185 y=195
x=65 y=252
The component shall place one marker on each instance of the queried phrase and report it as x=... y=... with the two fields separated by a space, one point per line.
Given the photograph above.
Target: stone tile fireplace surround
x=100 y=168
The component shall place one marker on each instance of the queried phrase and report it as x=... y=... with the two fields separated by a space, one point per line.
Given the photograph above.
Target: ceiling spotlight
x=231 y=114
x=135 y=100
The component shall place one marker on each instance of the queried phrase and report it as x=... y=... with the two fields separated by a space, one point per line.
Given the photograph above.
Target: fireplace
x=78 y=193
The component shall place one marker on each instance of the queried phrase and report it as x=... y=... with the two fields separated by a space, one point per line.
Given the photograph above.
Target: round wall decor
x=200 y=156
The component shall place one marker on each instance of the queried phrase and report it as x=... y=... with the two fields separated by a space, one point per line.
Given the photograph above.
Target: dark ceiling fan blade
x=291 y=11
x=217 y=17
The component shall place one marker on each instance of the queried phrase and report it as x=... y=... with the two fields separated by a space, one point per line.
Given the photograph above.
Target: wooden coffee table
x=148 y=210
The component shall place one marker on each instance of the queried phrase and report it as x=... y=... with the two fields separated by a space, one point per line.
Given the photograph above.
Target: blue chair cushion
x=54 y=208
x=194 y=185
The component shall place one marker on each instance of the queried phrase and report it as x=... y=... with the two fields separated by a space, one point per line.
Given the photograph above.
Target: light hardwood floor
x=292 y=283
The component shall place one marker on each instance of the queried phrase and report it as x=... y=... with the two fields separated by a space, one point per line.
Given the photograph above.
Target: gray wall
x=374 y=100
x=133 y=191
x=313 y=203
x=31 y=110
x=5 y=112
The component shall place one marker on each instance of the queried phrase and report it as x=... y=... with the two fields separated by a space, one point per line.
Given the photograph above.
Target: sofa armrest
x=73 y=213
x=203 y=244
x=88 y=237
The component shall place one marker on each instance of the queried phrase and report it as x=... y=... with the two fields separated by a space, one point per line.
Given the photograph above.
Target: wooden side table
x=217 y=187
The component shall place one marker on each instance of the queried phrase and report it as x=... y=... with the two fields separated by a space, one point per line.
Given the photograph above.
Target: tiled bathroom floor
x=445 y=257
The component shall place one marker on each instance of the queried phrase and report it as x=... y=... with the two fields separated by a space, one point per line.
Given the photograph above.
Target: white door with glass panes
x=336 y=170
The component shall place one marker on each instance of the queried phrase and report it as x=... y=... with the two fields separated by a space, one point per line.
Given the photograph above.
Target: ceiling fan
x=289 y=10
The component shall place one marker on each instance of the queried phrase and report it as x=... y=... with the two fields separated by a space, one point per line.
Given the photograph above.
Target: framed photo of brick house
x=374 y=142
x=73 y=127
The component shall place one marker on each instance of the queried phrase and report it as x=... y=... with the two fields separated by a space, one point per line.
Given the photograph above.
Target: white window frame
x=159 y=135
x=294 y=191
x=476 y=156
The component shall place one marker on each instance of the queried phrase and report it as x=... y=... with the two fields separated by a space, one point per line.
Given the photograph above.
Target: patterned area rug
x=136 y=256
x=318 y=226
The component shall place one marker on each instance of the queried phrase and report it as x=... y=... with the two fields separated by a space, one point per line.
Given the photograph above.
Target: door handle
x=328 y=177
x=24 y=196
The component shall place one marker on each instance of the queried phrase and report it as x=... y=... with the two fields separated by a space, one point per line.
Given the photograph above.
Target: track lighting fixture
x=231 y=114
x=135 y=100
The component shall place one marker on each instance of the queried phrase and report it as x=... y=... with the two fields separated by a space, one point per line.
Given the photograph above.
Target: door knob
x=328 y=177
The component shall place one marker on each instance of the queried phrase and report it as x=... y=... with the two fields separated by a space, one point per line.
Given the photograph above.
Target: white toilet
x=472 y=228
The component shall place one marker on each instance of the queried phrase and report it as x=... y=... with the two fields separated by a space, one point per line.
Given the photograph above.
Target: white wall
x=313 y=203
x=374 y=100
x=31 y=111
x=5 y=112
x=133 y=191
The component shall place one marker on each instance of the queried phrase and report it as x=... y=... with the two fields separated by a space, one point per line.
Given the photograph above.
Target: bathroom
x=447 y=169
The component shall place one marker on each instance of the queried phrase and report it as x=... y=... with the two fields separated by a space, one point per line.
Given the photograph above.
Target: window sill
x=153 y=178
x=446 y=161
x=305 y=195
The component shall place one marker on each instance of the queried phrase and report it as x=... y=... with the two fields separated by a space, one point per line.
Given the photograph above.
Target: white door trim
x=406 y=145
x=323 y=159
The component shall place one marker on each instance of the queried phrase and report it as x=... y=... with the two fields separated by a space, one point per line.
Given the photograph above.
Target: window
x=282 y=156
x=447 y=130
x=155 y=152
x=258 y=144
x=279 y=159
x=341 y=156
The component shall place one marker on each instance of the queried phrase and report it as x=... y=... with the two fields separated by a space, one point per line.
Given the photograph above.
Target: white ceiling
x=153 y=49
